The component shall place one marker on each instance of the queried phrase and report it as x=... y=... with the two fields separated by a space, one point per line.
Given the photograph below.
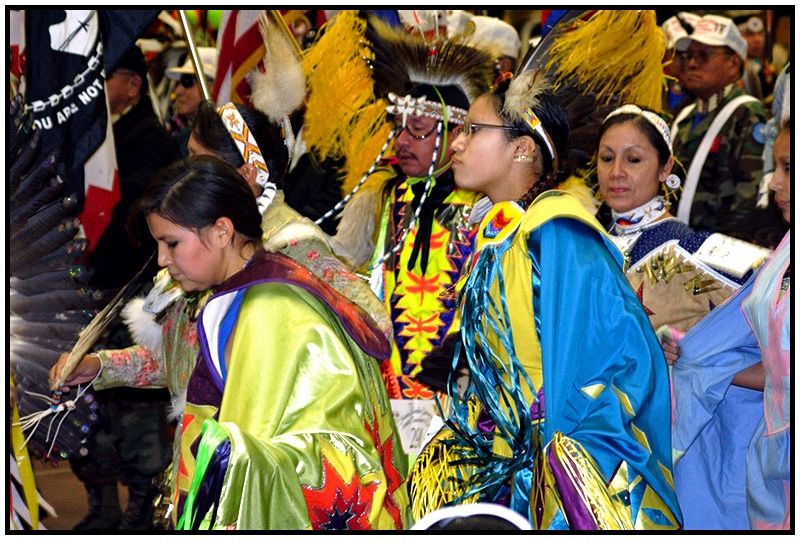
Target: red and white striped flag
x=240 y=49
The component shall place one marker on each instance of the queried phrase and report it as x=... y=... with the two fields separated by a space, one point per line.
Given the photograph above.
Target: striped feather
x=50 y=242
x=33 y=182
x=43 y=221
x=69 y=255
x=26 y=209
x=23 y=161
x=66 y=278
x=56 y=301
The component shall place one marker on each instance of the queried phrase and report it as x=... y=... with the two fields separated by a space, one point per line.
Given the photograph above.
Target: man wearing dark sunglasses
x=187 y=94
x=718 y=138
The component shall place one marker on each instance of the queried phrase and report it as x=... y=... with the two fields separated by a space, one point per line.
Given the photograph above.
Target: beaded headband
x=251 y=153
x=420 y=106
x=655 y=120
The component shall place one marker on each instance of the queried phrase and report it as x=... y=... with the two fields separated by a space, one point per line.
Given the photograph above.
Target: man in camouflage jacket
x=713 y=58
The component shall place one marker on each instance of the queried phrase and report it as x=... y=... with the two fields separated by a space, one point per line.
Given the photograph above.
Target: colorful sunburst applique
x=337 y=504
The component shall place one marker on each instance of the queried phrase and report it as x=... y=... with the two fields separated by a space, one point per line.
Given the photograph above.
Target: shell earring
x=670 y=188
x=673 y=182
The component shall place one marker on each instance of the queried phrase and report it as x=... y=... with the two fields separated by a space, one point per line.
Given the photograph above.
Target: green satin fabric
x=301 y=403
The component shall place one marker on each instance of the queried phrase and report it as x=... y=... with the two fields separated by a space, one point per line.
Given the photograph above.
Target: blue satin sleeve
x=605 y=377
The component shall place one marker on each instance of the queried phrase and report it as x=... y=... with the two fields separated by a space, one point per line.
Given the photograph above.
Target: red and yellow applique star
x=339 y=505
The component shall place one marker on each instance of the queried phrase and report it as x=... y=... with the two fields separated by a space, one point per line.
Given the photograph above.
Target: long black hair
x=195 y=192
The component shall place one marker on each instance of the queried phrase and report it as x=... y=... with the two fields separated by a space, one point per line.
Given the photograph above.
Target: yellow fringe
x=433 y=481
x=339 y=84
x=616 y=53
x=608 y=509
x=576 y=185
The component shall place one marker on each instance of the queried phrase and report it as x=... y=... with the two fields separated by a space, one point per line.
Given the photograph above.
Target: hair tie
x=505 y=76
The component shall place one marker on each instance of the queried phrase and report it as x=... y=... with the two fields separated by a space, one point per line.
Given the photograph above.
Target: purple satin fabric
x=486 y=424
x=578 y=515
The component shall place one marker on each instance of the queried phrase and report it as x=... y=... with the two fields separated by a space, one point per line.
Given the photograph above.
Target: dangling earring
x=671 y=186
x=521 y=158
x=673 y=182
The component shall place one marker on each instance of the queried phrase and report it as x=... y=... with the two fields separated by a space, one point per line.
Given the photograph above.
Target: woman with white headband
x=562 y=416
x=679 y=273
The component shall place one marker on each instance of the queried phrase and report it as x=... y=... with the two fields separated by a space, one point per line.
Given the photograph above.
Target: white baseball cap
x=456 y=19
x=425 y=21
x=208 y=59
x=716 y=31
x=673 y=29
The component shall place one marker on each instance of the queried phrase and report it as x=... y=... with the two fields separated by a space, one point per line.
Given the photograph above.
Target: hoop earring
x=521 y=158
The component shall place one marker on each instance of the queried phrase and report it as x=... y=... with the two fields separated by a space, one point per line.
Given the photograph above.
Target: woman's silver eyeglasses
x=470 y=128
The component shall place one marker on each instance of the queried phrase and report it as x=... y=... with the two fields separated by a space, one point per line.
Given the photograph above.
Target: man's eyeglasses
x=186 y=80
x=470 y=128
x=416 y=132
x=701 y=56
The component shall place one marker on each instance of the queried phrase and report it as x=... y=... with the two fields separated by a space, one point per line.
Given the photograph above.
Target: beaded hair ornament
x=521 y=99
x=251 y=153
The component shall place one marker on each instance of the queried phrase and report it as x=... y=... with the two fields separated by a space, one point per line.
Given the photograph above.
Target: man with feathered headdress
x=423 y=237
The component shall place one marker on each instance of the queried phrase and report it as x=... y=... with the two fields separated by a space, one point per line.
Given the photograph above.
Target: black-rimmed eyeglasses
x=415 y=132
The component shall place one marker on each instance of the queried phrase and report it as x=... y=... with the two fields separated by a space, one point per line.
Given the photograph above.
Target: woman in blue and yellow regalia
x=563 y=413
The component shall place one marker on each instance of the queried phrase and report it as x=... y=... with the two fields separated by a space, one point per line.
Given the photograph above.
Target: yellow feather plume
x=614 y=54
x=368 y=135
x=339 y=84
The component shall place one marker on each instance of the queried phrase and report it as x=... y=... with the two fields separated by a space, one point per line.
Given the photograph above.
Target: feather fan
x=51 y=303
